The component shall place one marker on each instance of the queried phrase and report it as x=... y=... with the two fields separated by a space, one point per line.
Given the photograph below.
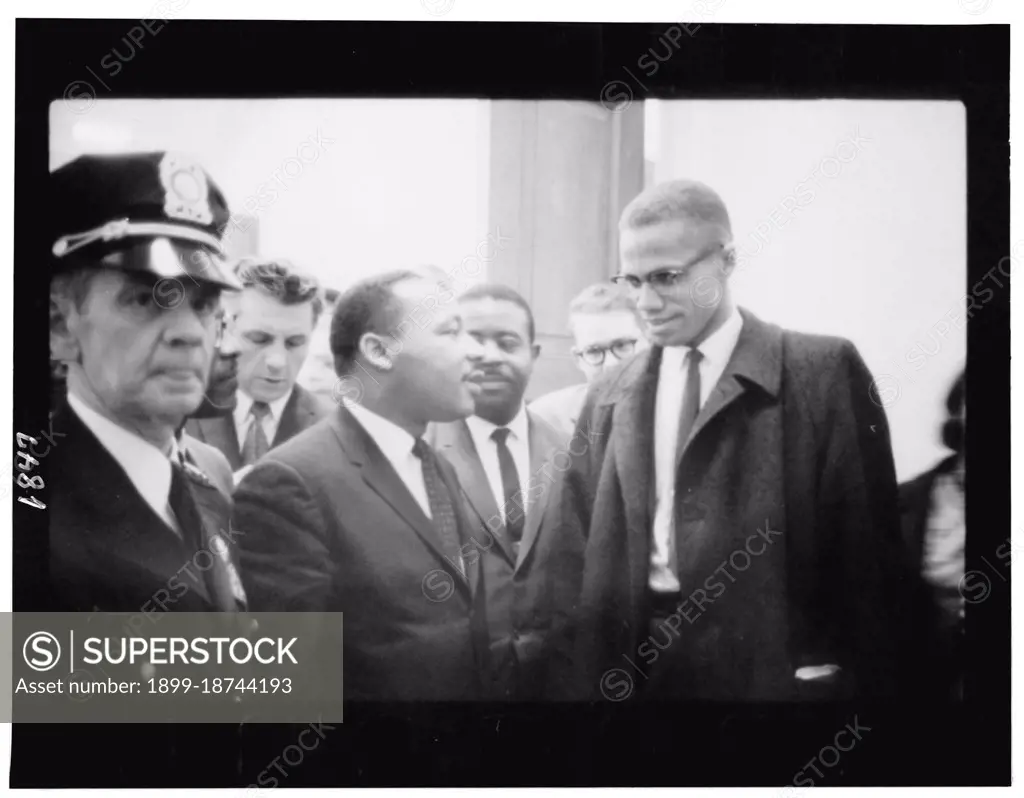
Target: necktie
x=441 y=508
x=691 y=398
x=256 y=438
x=183 y=505
x=512 y=510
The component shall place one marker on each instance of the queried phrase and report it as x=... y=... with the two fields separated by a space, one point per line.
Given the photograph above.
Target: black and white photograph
x=592 y=385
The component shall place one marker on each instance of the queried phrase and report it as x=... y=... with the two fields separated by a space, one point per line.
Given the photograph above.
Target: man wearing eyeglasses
x=271 y=323
x=606 y=332
x=738 y=508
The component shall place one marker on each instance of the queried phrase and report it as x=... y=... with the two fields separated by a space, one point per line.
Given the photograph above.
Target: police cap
x=156 y=213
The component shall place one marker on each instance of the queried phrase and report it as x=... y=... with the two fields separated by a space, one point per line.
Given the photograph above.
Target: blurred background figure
x=272 y=324
x=317 y=374
x=934 y=530
x=605 y=330
x=220 y=398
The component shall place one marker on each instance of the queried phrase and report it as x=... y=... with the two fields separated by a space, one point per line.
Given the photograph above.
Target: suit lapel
x=380 y=477
x=456 y=444
x=544 y=442
x=220 y=432
x=633 y=439
x=756 y=361
x=126 y=527
x=293 y=417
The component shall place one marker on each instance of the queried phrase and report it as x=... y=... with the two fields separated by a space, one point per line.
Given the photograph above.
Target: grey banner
x=189 y=667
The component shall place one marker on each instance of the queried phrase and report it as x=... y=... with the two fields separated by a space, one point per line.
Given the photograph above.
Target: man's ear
x=64 y=321
x=375 y=351
x=535 y=349
x=728 y=258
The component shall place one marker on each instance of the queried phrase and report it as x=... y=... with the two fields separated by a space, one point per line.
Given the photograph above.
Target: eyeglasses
x=663 y=280
x=594 y=355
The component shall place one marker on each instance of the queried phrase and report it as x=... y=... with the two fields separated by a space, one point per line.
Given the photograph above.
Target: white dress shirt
x=243 y=416
x=518 y=443
x=396 y=445
x=148 y=468
x=716 y=351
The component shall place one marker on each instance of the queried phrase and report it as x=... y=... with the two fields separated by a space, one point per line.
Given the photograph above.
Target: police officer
x=134 y=315
x=136 y=523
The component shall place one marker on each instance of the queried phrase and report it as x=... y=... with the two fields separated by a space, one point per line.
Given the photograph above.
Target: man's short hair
x=504 y=293
x=281 y=280
x=369 y=306
x=687 y=200
x=73 y=285
x=602 y=298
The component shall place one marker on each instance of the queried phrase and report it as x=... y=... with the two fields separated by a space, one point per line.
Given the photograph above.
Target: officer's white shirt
x=716 y=351
x=396 y=445
x=243 y=417
x=518 y=443
x=148 y=468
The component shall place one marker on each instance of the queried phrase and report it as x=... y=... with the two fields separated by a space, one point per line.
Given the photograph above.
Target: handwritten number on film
x=26 y=462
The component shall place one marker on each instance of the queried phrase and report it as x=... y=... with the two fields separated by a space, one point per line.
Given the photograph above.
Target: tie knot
x=500 y=435
x=420 y=449
x=260 y=409
x=693 y=357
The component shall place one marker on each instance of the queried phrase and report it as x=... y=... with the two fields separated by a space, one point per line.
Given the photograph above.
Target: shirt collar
x=716 y=349
x=148 y=468
x=481 y=429
x=395 y=442
x=243 y=406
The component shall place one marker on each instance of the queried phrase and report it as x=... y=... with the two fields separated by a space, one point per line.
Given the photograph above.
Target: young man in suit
x=271 y=323
x=739 y=508
x=605 y=331
x=133 y=303
x=502 y=455
x=359 y=515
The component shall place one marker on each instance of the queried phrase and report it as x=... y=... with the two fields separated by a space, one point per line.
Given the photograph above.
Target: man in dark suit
x=359 y=515
x=136 y=524
x=738 y=506
x=271 y=323
x=503 y=457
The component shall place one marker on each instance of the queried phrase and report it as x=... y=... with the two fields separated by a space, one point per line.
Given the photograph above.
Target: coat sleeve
x=568 y=518
x=858 y=507
x=286 y=563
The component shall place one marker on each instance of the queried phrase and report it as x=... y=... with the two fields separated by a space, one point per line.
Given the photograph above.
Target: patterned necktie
x=513 y=510
x=441 y=508
x=256 y=438
x=691 y=398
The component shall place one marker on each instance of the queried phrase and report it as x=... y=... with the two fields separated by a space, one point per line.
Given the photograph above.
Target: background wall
x=344 y=188
x=870 y=245
x=392 y=183
x=850 y=215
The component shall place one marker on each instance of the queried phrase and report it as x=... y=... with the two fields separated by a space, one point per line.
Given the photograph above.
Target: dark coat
x=330 y=527
x=109 y=550
x=302 y=411
x=786 y=526
x=518 y=620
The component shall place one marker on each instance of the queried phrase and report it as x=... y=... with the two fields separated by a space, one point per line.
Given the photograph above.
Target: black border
x=567 y=745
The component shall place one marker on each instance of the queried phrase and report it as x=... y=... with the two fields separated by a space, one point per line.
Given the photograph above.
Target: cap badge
x=185 y=189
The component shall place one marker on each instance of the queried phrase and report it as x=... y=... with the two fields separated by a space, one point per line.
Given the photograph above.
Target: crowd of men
x=713 y=514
